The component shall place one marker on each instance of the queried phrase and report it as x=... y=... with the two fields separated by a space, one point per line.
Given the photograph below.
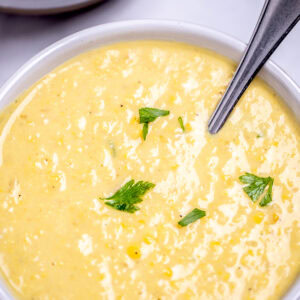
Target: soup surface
x=74 y=138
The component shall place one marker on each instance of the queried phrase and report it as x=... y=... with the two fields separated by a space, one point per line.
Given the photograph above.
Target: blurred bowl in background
x=43 y=7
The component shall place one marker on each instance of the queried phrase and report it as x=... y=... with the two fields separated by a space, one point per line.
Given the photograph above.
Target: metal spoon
x=277 y=18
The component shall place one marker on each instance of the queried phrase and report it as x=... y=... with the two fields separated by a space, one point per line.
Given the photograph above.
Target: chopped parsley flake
x=256 y=186
x=192 y=216
x=129 y=195
x=180 y=121
x=145 y=130
x=147 y=115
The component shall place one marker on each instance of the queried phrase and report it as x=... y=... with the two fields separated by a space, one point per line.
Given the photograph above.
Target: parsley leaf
x=129 y=195
x=256 y=186
x=145 y=130
x=192 y=216
x=268 y=196
x=181 y=124
x=147 y=115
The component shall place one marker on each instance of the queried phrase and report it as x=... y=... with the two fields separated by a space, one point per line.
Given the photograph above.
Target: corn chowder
x=111 y=186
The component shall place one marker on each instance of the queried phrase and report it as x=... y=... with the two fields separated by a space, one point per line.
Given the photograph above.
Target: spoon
x=276 y=20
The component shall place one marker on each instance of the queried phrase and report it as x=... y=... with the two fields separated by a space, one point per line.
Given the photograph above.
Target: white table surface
x=21 y=37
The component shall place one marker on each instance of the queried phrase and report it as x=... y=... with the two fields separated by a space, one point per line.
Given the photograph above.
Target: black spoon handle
x=277 y=18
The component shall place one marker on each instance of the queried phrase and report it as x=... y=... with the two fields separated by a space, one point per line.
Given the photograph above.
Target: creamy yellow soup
x=74 y=138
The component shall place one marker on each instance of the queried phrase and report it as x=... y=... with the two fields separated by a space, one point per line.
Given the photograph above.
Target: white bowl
x=101 y=35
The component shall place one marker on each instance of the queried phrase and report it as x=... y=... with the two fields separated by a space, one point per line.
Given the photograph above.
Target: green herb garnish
x=128 y=195
x=145 y=130
x=181 y=124
x=256 y=186
x=147 y=115
x=192 y=216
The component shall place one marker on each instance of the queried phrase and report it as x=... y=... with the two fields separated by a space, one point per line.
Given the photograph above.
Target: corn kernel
x=151 y=264
x=189 y=294
x=60 y=142
x=175 y=167
x=162 y=138
x=172 y=99
x=244 y=260
x=168 y=272
x=223 y=275
x=188 y=127
x=258 y=217
x=285 y=196
x=274 y=218
x=124 y=225
x=148 y=239
x=134 y=252
x=214 y=244
x=101 y=276
x=134 y=120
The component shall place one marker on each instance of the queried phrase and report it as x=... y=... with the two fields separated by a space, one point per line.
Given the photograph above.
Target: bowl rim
x=64 y=42
x=82 y=41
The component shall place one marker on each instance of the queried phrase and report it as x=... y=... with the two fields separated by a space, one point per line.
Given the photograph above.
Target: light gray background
x=21 y=37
